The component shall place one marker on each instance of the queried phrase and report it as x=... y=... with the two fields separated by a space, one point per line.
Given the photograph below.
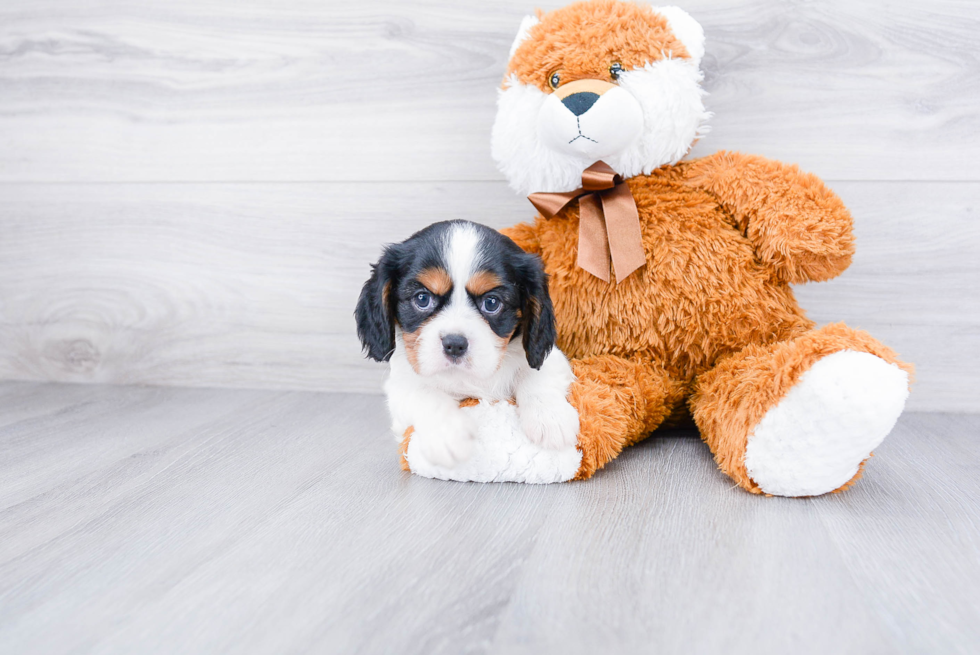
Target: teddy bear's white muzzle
x=591 y=127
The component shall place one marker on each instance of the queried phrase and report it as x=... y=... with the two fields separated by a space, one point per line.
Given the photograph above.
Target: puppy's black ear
x=537 y=313
x=375 y=312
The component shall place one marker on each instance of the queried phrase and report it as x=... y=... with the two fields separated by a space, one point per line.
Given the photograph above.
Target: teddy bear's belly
x=702 y=294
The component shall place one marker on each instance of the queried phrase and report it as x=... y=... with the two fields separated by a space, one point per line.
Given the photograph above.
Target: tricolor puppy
x=462 y=312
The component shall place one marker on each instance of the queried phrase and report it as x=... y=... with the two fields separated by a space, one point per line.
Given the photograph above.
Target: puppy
x=462 y=312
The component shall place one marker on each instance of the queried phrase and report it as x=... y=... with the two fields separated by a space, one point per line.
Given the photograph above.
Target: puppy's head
x=458 y=293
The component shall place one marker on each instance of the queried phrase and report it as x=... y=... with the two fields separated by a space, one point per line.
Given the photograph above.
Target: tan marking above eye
x=436 y=280
x=482 y=282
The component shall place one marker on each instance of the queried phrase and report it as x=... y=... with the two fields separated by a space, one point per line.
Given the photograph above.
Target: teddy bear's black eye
x=615 y=69
x=554 y=80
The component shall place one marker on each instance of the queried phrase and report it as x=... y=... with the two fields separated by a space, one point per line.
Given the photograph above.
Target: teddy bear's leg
x=620 y=402
x=800 y=417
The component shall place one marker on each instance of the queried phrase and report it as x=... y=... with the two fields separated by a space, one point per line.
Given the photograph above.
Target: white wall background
x=191 y=191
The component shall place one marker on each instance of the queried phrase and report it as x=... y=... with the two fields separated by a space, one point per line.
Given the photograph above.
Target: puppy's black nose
x=579 y=103
x=454 y=345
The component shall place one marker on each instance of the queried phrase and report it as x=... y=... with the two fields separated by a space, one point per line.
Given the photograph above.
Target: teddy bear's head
x=599 y=80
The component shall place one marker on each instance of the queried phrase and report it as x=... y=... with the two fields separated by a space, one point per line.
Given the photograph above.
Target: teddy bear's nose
x=579 y=103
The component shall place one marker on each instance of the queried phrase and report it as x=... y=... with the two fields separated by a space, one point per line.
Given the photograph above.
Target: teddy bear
x=671 y=277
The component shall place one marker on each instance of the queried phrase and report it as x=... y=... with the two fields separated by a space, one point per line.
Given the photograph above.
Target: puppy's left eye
x=422 y=299
x=615 y=69
x=491 y=305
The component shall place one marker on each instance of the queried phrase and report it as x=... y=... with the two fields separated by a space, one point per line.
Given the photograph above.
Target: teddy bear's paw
x=549 y=423
x=814 y=440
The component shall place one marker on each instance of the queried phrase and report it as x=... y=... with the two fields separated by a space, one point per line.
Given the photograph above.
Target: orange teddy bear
x=671 y=279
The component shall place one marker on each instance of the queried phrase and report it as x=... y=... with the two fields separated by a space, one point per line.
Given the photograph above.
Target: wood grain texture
x=296 y=90
x=254 y=285
x=164 y=520
x=204 y=285
x=160 y=225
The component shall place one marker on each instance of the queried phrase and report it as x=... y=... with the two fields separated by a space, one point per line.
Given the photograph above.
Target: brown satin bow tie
x=608 y=222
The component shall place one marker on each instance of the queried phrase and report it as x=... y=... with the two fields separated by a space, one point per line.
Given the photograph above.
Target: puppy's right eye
x=554 y=81
x=491 y=304
x=422 y=300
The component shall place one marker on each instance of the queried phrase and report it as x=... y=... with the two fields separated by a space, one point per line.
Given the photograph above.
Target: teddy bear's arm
x=526 y=236
x=797 y=225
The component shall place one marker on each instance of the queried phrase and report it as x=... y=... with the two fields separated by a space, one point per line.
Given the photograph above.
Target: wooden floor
x=163 y=520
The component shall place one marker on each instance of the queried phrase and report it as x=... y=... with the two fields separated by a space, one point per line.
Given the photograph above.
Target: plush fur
x=709 y=327
x=652 y=117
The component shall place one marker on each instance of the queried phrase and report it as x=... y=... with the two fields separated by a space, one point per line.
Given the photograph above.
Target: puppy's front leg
x=443 y=431
x=547 y=418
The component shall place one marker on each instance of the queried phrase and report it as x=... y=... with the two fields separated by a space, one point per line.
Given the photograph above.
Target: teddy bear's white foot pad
x=501 y=453
x=816 y=437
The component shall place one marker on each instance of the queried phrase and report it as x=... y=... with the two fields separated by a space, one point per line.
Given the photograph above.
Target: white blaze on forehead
x=462 y=256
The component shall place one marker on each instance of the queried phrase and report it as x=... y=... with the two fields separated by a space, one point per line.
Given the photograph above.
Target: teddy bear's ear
x=522 y=33
x=686 y=29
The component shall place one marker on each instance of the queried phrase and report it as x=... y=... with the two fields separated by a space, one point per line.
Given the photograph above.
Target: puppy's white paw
x=446 y=442
x=549 y=423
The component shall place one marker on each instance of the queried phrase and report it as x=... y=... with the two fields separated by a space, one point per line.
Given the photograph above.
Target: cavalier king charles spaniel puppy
x=462 y=312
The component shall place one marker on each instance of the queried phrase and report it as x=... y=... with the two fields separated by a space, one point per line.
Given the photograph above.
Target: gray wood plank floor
x=169 y=520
